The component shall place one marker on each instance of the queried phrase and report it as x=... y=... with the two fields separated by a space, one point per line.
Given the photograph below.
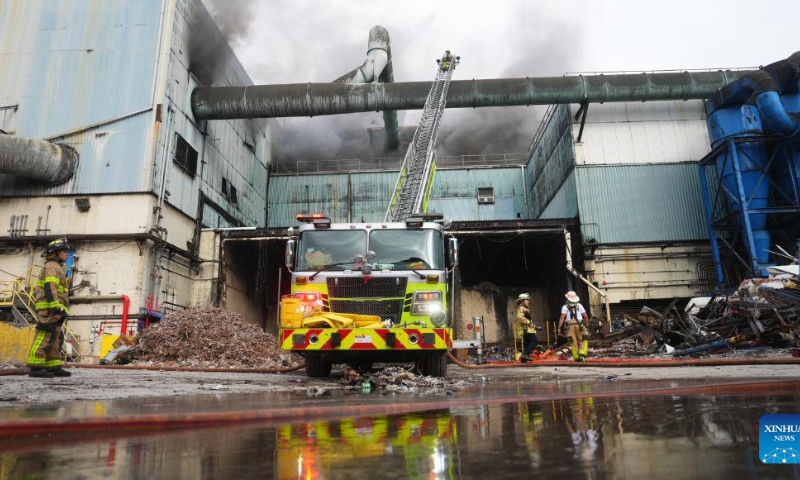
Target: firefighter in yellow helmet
x=576 y=319
x=525 y=329
x=52 y=308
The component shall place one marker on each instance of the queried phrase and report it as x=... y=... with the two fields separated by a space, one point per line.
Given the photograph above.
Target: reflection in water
x=626 y=437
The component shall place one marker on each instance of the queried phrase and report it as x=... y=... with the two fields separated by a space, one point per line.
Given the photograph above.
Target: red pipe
x=126 y=302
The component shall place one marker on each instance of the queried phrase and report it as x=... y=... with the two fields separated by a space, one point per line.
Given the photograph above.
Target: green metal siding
x=364 y=197
x=552 y=159
x=565 y=202
x=640 y=203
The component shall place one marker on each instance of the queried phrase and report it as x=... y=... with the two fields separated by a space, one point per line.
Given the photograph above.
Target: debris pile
x=762 y=313
x=401 y=380
x=210 y=337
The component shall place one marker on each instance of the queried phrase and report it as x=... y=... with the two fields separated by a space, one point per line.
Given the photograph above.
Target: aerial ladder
x=419 y=164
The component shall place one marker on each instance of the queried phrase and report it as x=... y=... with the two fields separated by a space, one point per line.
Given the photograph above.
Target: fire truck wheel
x=433 y=364
x=316 y=367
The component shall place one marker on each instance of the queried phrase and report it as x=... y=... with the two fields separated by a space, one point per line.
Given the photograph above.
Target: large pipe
x=378 y=68
x=763 y=86
x=36 y=159
x=311 y=99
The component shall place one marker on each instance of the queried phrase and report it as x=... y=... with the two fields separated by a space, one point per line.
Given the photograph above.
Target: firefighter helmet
x=523 y=296
x=57 y=245
x=572 y=297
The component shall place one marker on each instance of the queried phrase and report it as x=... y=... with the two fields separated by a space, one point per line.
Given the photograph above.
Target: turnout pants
x=578 y=340
x=46 y=348
x=529 y=342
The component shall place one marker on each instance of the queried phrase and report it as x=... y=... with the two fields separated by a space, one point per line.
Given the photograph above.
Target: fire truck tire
x=316 y=367
x=434 y=364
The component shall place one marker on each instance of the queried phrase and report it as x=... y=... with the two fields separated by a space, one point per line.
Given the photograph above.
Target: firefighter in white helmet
x=575 y=317
x=524 y=327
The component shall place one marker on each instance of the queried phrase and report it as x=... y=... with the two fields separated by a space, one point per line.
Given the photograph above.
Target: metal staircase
x=419 y=165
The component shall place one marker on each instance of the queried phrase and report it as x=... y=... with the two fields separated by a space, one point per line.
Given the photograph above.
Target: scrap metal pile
x=762 y=314
x=210 y=337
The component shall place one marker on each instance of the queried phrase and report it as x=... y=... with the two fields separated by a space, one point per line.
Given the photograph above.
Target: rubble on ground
x=209 y=338
x=398 y=379
x=762 y=315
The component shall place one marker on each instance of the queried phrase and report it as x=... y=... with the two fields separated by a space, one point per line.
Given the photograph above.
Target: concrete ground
x=106 y=384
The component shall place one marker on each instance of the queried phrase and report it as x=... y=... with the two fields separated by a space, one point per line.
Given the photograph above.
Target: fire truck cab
x=390 y=283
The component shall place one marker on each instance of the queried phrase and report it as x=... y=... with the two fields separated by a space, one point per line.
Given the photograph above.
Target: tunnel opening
x=501 y=260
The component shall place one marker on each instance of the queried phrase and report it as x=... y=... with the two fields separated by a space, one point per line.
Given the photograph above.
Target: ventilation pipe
x=312 y=99
x=377 y=68
x=37 y=159
x=763 y=87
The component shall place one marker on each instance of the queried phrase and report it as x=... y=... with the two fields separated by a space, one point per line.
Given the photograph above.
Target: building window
x=486 y=195
x=185 y=156
x=229 y=192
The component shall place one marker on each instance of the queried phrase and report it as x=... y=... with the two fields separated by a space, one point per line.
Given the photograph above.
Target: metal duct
x=37 y=159
x=311 y=99
x=377 y=67
x=761 y=86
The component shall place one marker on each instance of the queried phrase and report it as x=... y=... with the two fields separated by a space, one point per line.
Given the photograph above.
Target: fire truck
x=377 y=292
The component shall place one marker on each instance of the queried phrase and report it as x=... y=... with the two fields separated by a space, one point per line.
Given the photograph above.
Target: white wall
x=642 y=132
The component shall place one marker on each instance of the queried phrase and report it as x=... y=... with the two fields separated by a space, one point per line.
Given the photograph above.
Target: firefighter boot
x=40 y=373
x=61 y=373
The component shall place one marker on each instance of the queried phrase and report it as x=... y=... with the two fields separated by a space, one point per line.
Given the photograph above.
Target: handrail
x=393 y=164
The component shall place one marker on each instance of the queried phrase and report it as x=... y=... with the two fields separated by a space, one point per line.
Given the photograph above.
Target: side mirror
x=288 y=256
x=453 y=251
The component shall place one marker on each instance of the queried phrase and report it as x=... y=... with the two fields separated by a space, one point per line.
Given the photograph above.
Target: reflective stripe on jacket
x=52 y=289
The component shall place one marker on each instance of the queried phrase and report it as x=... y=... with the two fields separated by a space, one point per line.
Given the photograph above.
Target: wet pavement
x=603 y=428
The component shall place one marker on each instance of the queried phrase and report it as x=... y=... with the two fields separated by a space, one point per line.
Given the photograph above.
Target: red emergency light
x=307 y=297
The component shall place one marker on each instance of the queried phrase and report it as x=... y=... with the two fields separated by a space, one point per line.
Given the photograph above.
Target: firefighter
x=526 y=330
x=447 y=59
x=574 y=316
x=52 y=308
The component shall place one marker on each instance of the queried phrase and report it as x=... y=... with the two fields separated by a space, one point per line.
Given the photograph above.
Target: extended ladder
x=419 y=164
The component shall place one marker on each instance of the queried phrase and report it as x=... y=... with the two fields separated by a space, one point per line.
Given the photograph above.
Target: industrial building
x=169 y=197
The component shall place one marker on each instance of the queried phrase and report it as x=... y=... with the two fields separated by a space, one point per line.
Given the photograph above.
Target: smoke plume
x=298 y=41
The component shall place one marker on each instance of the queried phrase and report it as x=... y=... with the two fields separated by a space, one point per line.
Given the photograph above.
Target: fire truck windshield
x=330 y=249
x=407 y=249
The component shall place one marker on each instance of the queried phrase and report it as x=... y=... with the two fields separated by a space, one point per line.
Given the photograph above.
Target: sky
x=297 y=41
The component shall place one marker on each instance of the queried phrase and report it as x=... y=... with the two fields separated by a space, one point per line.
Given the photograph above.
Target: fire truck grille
x=386 y=309
x=363 y=287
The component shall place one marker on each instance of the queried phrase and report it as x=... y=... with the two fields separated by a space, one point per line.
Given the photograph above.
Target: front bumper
x=365 y=339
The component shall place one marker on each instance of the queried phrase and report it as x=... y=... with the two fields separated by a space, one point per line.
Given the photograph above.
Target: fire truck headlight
x=438 y=318
x=426 y=303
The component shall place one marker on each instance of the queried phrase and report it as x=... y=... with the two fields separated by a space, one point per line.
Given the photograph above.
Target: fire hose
x=634 y=363
x=169 y=422
x=25 y=371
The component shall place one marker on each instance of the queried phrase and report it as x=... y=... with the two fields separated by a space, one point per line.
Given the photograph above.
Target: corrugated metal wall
x=70 y=64
x=641 y=203
x=551 y=161
x=365 y=196
x=223 y=145
x=649 y=132
x=565 y=202
x=455 y=194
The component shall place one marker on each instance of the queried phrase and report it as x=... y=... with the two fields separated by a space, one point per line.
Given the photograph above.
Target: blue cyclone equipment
x=754 y=128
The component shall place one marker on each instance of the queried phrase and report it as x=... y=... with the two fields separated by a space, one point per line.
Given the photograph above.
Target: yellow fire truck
x=391 y=279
